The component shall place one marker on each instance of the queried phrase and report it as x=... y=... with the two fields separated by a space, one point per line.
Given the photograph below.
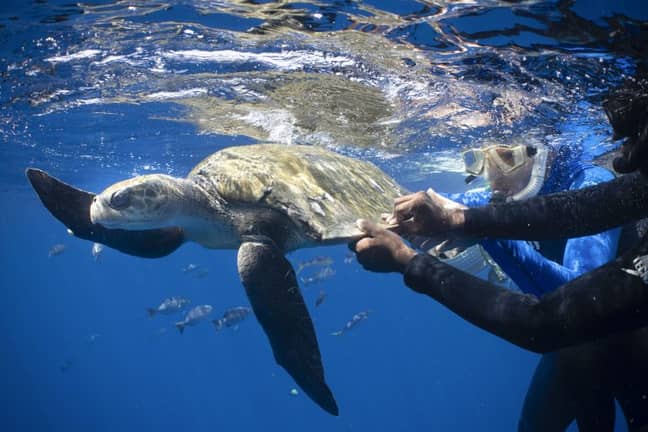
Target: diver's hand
x=382 y=250
x=426 y=213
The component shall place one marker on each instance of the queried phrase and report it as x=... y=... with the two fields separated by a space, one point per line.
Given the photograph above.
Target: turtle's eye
x=120 y=199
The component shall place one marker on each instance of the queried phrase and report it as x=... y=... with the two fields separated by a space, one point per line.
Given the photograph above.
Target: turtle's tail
x=151 y=312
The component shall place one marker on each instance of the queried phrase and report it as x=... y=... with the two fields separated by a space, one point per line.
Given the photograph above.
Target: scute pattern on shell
x=322 y=191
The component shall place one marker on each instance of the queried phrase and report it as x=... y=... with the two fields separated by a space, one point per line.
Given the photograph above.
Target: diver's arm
x=565 y=214
x=604 y=301
x=534 y=273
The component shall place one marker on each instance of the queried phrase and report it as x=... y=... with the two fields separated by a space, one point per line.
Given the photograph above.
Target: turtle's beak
x=96 y=211
x=101 y=213
x=93 y=211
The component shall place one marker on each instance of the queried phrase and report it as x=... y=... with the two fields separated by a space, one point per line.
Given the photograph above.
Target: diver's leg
x=547 y=406
x=630 y=376
x=596 y=413
x=585 y=371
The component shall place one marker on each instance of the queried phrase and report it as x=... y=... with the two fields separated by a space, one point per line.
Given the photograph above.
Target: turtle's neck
x=204 y=218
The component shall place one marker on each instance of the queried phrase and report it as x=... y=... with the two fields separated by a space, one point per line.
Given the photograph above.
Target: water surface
x=95 y=92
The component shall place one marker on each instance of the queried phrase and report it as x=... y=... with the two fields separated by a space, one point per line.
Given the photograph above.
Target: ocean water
x=100 y=91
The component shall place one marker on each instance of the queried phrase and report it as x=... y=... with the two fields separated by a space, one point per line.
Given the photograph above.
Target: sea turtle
x=265 y=200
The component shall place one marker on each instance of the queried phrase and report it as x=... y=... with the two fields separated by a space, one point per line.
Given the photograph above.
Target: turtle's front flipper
x=271 y=286
x=72 y=207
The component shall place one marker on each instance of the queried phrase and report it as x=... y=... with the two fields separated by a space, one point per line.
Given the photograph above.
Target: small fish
x=194 y=316
x=317 y=261
x=189 y=268
x=294 y=392
x=97 y=249
x=195 y=271
x=320 y=298
x=169 y=306
x=322 y=274
x=232 y=317
x=349 y=257
x=360 y=316
x=57 y=249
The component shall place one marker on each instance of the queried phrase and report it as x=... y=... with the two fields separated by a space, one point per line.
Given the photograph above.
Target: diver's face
x=509 y=183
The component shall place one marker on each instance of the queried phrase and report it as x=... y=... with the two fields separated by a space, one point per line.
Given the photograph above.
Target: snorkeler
x=516 y=172
x=567 y=384
x=608 y=300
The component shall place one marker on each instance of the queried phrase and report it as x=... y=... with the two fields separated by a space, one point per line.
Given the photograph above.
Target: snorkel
x=538 y=174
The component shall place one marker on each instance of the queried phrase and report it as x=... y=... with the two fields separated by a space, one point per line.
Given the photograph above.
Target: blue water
x=97 y=92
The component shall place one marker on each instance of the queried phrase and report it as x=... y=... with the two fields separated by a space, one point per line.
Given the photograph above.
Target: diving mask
x=507 y=158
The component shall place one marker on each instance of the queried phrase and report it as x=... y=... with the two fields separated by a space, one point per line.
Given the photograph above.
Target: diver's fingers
x=402 y=212
x=364 y=244
x=442 y=246
x=369 y=227
x=404 y=198
x=389 y=221
x=353 y=244
x=407 y=224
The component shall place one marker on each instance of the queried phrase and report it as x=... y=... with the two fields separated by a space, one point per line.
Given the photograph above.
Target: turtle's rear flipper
x=72 y=207
x=271 y=286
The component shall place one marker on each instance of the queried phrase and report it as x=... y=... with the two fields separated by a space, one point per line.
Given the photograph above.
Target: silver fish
x=320 y=298
x=322 y=274
x=317 y=261
x=169 y=306
x=97 y=249
x=57 y=249
x=360 y=316
x=194 y=316
x=195 y=270
x=189 y=268
x=232 y=317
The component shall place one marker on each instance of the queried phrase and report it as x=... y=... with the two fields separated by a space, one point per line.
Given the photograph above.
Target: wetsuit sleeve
x=565 y=214
x=534 y=273
x=601 y=302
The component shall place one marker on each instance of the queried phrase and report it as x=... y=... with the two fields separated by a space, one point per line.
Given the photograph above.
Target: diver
x=564 y=387
x=516 y=172
x=611 y=299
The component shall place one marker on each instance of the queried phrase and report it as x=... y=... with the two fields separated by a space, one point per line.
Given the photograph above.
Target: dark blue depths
x=80 y=352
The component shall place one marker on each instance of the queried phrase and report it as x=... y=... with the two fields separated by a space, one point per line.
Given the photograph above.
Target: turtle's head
x=145 y=202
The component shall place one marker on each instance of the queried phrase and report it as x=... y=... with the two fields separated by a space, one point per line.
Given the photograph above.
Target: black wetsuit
x=607 y=303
